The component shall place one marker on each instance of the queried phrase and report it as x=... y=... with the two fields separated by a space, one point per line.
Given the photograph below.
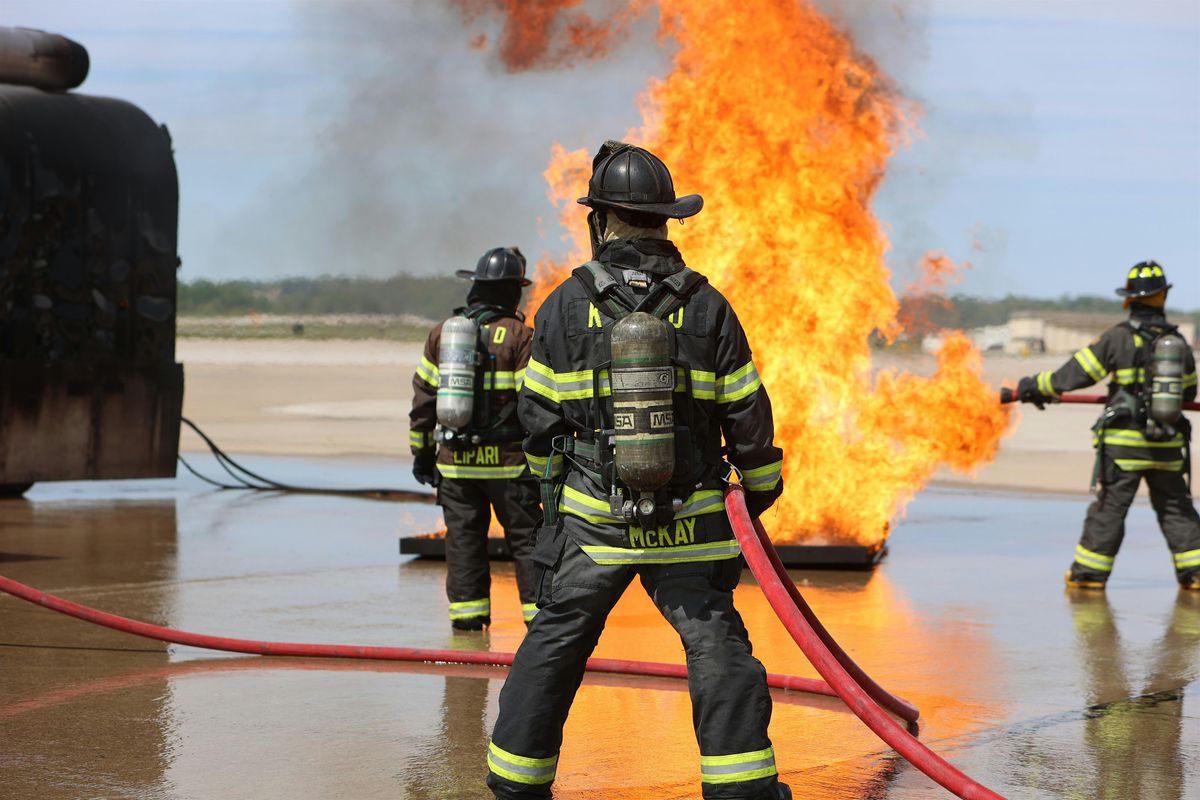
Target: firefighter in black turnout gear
x=466 y=437
x=1141 y=433
x=639 y=368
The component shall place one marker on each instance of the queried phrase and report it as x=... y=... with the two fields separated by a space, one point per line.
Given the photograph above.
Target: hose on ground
x=411 y=654
x=755 y=546
x=898 y=706
x=244 y=480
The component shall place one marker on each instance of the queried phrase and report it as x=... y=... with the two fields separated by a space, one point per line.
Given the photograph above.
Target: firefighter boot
x=1190 y=582
x=1074 y=581
x=470 y=624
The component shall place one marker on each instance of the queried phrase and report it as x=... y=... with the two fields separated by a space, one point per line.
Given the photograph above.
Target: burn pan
x=860 y=557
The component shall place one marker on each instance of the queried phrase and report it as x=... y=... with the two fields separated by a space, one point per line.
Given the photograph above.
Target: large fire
x=771 y=115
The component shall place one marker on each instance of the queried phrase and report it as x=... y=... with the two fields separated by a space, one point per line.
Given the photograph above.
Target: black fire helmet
x=498 y=264
x=1144 y=279
x=634 y=179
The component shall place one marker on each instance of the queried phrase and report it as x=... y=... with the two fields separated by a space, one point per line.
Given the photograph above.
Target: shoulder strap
x=602 y=288
x=677 y=288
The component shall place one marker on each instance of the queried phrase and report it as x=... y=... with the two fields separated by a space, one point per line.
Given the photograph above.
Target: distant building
x=1064 y=332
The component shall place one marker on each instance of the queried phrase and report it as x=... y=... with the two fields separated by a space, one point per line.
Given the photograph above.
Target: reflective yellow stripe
x=537 y=464
x=764 y=478
x=558 y=387
x=1091 y=365
x=1189 y=380
x=707 y=551
x=1130 y=375
x=471 y=608
x=501 y=380
x=1135 y=438
x=420 y=439
x=743 y=382
x=1094 y=561
x=1141 y=465
x=428 y=372
x=593 y=509
x=519 y=378
x=1189 y=558
x=521 y=769
x=529 y=611
x=738 y=767
x=1045 y=385
x=480 y=473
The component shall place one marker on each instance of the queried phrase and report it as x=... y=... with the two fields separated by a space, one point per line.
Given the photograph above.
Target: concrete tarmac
x=1033 y=690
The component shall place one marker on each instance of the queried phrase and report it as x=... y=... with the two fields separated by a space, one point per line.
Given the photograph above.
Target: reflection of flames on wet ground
x=771 y=114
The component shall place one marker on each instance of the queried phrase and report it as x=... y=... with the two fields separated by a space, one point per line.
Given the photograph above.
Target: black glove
x=425 y=467
x=1027 y=392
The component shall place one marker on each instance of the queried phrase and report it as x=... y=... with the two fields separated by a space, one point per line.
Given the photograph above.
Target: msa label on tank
x=460 y=381
x=623 y=421
x=656 y=379
x=662 y=419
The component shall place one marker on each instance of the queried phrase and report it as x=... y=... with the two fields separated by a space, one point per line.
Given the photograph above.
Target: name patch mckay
x=683 y=531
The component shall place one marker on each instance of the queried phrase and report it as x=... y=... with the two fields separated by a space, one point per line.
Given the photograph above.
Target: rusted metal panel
x=89 y=198
x=76 y=421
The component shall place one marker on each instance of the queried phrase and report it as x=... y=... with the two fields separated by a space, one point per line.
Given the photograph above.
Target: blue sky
x=1061 y=138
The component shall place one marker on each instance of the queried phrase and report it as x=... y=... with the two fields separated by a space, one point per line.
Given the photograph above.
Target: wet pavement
x=1036 y=692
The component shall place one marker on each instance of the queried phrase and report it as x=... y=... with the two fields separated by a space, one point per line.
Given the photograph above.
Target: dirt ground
x=315 y=398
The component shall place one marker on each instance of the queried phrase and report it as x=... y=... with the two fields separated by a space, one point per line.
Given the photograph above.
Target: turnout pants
x=1104 y=526
x=730 y=701
x=467 y=507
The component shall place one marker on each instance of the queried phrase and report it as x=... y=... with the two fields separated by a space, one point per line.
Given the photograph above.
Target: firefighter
x=467 y=443
x=1131 y=442
x=599 y=533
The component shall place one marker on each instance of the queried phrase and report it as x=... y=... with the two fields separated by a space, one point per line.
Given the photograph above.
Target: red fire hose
x=756 y=546
x=126 y=625
x=1007 y=395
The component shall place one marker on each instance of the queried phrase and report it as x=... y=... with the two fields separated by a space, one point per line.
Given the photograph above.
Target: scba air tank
x=643 y=386
x=1166 y=378
x=457 y=360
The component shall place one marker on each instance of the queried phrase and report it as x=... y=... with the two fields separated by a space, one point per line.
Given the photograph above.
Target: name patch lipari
x=682 y=531
x=486 y=456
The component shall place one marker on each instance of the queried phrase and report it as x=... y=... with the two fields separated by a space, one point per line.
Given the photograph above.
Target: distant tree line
x=434 y=298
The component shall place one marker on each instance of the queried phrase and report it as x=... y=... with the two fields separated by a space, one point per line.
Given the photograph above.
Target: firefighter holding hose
x=639 y=369
x=466 y=437
x=1142 y=433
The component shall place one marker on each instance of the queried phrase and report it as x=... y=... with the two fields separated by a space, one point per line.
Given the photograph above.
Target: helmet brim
x=469 y=274
x=1123 y=292
x=684 y=207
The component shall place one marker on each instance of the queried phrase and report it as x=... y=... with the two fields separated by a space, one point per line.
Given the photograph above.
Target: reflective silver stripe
x=710 y=551
x=521 y=769
x=480 y=473
x=500 y=380
x=471 y=608
x=428 y=372
x=529 y=611
x=1091 y=365
x=703 y=502
x=738 y=767
x=764 y=478
x=1096 y=561
x=1190 y=558
x=741 y=383
x=1045 y=384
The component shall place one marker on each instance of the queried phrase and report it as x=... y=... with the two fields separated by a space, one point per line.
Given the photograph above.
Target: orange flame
x=771 y=114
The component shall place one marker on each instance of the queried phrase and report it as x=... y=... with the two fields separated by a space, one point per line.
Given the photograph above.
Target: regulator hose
x=755 y=546
x=412 y=654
